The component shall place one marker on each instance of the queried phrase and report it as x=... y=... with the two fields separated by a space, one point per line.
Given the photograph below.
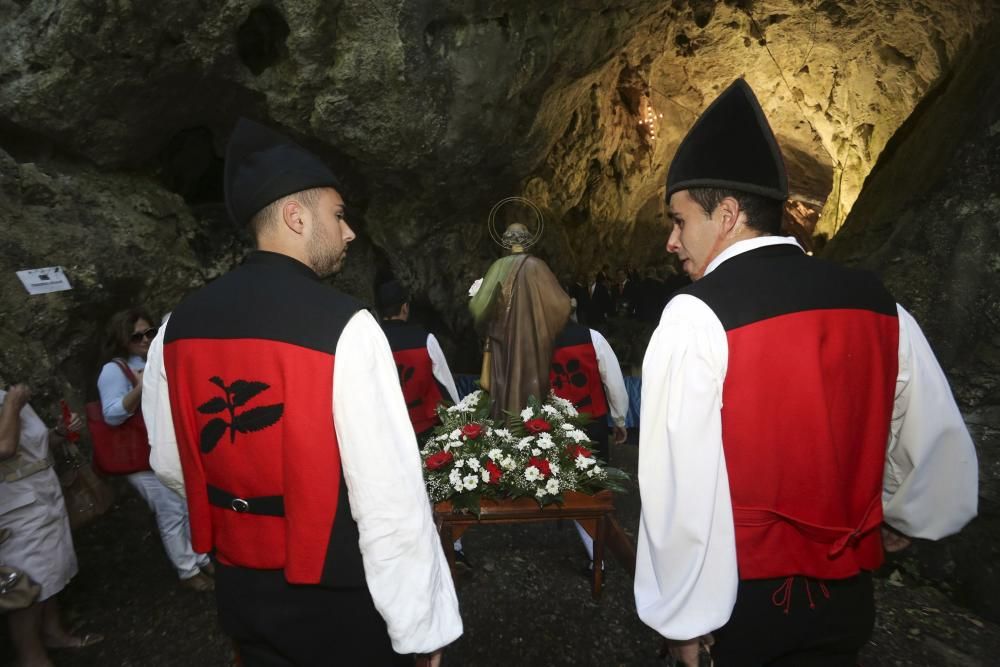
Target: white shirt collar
x=741 y=247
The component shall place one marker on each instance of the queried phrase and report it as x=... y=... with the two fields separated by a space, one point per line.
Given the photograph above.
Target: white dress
x=32 y=508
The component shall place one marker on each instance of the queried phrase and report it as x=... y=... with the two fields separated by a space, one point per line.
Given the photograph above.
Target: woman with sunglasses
x=129 y=335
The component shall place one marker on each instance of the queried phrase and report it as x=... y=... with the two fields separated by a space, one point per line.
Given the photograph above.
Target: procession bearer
x=423 y=370
x=792 y=414
x=275 y=404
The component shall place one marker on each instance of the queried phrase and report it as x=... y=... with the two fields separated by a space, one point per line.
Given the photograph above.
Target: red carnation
x=494 y=470
x=542 y=465
x=439 y=460
x=578 y=450
x=537 y=425
x=472 y=431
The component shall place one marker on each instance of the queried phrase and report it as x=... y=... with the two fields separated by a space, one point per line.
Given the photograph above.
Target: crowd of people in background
x=626 y=292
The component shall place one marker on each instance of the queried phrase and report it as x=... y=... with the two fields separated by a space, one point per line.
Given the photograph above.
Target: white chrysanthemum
x=494 y=454
x=590 y=473
x=470 y=482
x=531 y=473
x=598 y=470
x=523 y=443
x=545 y=441
x=486 y=476
x=459 y=463
x=456 y=434
x=442 y=437
x=455 y=477
x=579 y=436
x=549 y=410
x=446 y=447
x=472 y=463
x=552 y=486
x=567 y=407
x=553 y=467
x=584 y=462
x=568 y=427
x=452 y=409
x=540 y=493
x=502 y=433
x=527 y=414
x=459 y=486
x=508 y=463
x=536 y=451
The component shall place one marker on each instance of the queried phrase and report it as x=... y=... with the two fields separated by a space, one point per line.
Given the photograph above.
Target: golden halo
x=498 y=237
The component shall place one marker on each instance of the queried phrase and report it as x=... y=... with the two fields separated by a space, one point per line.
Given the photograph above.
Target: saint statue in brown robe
x=520 y=308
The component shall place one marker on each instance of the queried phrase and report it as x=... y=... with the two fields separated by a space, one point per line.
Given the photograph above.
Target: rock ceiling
x=433 y=111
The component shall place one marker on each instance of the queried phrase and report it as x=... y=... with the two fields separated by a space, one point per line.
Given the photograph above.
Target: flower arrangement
x=541 y=453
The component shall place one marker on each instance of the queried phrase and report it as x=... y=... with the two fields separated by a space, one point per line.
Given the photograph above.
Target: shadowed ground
x=525 y=603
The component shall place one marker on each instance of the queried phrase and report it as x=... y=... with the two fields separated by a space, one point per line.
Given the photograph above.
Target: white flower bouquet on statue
x=541 y=453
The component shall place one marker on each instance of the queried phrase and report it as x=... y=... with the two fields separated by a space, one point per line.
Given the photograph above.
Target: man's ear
x=729 y=213
x=292 y=216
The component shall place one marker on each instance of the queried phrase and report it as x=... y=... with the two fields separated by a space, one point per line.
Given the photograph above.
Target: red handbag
x=122 y=449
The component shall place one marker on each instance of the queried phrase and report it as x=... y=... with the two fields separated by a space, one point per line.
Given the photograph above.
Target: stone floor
x=525 y=603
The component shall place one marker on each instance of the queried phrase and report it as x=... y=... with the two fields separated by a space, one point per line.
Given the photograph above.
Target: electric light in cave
x=648 y=117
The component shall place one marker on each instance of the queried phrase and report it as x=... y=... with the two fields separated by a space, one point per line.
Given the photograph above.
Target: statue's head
x=516 y=237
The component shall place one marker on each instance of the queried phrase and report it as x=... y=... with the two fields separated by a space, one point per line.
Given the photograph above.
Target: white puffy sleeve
x=611 y=377
x=686 y=575
x=164 y=458
x=407 y=572
x=931 y=483
x=439 y=367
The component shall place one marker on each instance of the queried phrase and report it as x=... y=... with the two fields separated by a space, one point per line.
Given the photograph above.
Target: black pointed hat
x=731 y=145
x=263 y=166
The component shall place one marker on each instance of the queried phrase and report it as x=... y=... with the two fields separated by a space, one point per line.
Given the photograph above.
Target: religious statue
x=520 y=308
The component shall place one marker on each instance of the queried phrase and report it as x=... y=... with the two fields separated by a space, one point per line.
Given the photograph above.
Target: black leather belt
x=263 y=505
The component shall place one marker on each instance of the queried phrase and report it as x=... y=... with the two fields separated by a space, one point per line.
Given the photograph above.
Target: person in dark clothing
x=624 y=294
x=423 y=370
x=601 y=302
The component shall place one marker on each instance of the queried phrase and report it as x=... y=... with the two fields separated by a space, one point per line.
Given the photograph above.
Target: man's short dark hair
x=268 y=215
x=390 y=310
x=763 y=213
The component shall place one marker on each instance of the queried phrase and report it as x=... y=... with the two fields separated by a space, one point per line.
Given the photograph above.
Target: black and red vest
x=806 y=408
x=416 y=372
x=250 y=365
x=574 y=374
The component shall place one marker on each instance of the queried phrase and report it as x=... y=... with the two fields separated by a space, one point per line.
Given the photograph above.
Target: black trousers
x=599 y=432
x=277 y=624
x=797 y=622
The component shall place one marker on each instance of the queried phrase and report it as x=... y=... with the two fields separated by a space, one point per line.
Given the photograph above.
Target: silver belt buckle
x=240 y=505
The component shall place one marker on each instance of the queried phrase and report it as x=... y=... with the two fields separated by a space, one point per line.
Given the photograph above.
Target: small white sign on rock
x=43 y=281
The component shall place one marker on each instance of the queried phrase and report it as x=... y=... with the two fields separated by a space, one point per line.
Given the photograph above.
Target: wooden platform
x=594 y=513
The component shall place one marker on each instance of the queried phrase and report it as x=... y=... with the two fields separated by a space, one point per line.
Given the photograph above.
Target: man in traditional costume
x=273 y=402
x=521 y=308
x=423 y=370
x=789 y=408
x=585 y=371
